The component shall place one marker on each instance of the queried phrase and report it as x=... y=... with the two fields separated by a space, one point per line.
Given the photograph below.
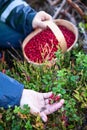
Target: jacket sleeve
x=19 y=15
x=10 y=91
x=2 y=2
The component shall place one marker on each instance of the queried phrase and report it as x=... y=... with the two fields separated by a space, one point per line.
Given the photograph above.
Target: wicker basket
x=57 y=32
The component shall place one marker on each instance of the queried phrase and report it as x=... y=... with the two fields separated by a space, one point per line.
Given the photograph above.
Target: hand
x=39 y=103
x=39 y=19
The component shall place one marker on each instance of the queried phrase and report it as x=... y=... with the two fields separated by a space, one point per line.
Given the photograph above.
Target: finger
x=46 y=101
x=46 y=16
x=54 y=107
x=38 y=23
x=41 y=24
x=47 y=95
x=43 y=116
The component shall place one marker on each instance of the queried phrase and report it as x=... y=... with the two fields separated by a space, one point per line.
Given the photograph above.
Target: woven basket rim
x=63 y=22
x=72 y=28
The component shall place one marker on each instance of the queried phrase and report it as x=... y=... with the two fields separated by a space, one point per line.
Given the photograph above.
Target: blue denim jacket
x=17 y=14
x=10 y=91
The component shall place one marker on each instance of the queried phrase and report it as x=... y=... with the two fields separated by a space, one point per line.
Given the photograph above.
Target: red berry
x=52 y=96
x=4 y=71
x=42 y=47
x=28 y=78
x=57 y=98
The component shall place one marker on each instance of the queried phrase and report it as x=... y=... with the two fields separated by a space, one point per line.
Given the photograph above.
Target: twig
x=69 y=16
x=59 y=9
x=75 y=6
x=12 y=55
x=82 y=4
x=15 y=51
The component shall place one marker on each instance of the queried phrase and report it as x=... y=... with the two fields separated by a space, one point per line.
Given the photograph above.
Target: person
x=17 y=20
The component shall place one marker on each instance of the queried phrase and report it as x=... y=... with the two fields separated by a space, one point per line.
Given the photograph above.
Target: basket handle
x=59 y=35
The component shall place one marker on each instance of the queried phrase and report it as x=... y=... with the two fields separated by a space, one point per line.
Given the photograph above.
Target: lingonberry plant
x=67 y=77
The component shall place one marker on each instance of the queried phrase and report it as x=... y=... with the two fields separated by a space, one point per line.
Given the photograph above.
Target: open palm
x=39 y=103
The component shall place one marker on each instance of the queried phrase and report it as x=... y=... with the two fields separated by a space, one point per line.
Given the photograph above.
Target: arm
x=17 y=14
x=10 y=91
x=21 y=17
x=2 y=2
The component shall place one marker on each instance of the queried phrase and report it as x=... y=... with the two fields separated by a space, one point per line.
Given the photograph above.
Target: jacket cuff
x=10 y=91
x=29 y=20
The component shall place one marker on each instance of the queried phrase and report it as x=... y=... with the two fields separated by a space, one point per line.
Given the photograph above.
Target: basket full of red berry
x=40 y=46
